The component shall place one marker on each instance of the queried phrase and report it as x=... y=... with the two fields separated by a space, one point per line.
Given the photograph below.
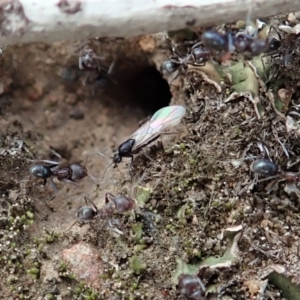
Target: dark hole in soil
x=150 y=89
x=140 y=86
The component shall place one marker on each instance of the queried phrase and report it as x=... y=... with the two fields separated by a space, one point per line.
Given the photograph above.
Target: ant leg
x=69 y=181
x=272 y=27
x=86 y=198
x=55 y=152
x=113 y=228
x=110 y=68
x=131 y=166
x=51 y=163
x=174 y=49
x=92 y=226
x=107 y=195
x=73 y=225
x=196 y=45
x=51 y=198
x=177 y=74
x=131 y=163
x=147 y=156
x=53 y=185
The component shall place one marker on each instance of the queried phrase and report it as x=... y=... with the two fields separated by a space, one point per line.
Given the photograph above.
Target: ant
x=48 y=169
x=114 y=204
x=288 y=45
x=89 y=61
x=198 y=55
x=241 y=41
x=266 y=168
x=150 y=130
x=215 y=40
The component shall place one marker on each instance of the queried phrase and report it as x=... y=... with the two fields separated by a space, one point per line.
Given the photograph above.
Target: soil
x=201 y=210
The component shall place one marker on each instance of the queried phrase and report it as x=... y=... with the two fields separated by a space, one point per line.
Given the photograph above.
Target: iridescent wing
x=162 y=120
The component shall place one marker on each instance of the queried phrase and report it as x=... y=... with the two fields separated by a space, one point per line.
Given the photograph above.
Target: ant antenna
x=106 y=169
x=102 y=154
x=72 y=225
x=54 y=187
x=249 y=27
x=54 y=152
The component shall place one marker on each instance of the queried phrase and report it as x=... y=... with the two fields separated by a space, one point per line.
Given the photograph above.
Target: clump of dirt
x=201 y=209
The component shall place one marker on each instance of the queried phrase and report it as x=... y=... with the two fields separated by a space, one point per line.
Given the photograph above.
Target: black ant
x=198 y=55
x=89 y=61
x=48 y=169
x=266 y=168
x=114 y=204
x=148 y=132
x=241 y=41
x=287 y=46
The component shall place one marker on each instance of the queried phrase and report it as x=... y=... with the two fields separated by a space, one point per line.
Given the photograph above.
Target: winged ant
x=150 y=131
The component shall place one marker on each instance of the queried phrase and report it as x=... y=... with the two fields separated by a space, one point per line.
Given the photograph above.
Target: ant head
x=79 y=172
x=116 y=158
x=40 y=171
x=273 y=44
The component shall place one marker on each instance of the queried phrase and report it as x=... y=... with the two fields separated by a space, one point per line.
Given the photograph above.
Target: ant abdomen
x=86 y=213
x=264 y=167
x=168 y=67
x=215 y=40
x=124 y=204
x=40 y=171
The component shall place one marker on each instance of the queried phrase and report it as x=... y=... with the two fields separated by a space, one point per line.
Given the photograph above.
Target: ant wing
x=162 y=120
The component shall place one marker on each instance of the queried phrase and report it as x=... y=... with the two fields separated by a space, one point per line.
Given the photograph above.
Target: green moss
x=182 y=146
x=143 y=195
x=137 y=231
x=136 y=265
x=134 y=286
x=29 y=215
x=34 y=272
x=11 y=279
x=50 y=238
x=139 y=247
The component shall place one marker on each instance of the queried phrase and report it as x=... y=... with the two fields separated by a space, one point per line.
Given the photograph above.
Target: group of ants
x=211 y=42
